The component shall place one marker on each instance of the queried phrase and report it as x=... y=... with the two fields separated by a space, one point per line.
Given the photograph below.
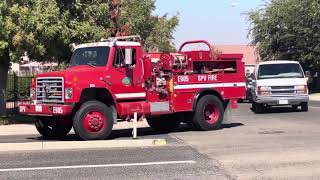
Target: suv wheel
x=257 y=107
x=304 y=107
x=295 y=107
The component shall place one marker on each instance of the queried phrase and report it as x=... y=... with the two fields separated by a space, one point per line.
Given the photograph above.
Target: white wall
x=15 y=67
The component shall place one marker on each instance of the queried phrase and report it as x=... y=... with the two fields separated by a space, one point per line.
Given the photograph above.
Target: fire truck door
x=126 y=74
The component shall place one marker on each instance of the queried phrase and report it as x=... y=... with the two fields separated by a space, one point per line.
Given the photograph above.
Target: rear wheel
x=304 y=107
x=209 y=113
x=93 y=121
x=53 y=128
x=166 y=123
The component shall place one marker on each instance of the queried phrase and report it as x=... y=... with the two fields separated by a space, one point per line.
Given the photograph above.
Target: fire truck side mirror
x=128 y=56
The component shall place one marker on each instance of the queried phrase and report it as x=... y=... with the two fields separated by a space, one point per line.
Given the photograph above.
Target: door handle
x=107 y=82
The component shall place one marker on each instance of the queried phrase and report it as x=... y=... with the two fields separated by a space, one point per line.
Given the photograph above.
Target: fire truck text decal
x=207 y=78
x=199 y=78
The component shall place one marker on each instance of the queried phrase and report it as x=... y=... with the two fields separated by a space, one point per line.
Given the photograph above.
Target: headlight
x=68 y=93
x=264 y=90
x=301 y=89
x=32 y=93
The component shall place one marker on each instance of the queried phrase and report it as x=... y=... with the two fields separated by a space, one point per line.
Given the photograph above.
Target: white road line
x=99 y=166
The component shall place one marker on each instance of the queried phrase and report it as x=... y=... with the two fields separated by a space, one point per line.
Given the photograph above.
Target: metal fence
x=18 y=88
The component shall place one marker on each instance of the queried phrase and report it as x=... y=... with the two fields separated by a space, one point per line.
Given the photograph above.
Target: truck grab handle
x=198 y=42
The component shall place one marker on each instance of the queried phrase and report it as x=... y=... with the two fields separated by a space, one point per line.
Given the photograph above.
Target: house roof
x=250 y=56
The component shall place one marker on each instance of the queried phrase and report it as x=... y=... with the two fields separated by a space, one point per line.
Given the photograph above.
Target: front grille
x=282 y=87
x=283 y=90
x=50 y=90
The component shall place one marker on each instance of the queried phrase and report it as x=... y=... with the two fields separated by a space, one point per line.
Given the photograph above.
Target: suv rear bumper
x=282 y=100
x=45 y=109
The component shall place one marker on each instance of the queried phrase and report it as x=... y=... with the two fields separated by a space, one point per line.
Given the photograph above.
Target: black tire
x=201 y=120
x=304 y=107
x=258 y=108
x=53 y=128
x=164 y=123
x=107 y=119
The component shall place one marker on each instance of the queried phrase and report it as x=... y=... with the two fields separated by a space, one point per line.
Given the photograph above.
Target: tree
x=136 y=17
x=45 y=29
x=288 y=29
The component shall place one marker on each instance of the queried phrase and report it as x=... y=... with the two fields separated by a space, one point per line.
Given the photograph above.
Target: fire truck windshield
x=92 y=56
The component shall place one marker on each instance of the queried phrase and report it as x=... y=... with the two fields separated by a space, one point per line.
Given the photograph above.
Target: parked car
x=279 y=83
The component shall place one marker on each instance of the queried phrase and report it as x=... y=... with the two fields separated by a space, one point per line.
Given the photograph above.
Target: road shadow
x=69 y=137
x=278 y=109
x=145 y=132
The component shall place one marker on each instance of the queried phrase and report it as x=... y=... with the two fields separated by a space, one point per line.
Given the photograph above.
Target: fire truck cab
x=111 y=80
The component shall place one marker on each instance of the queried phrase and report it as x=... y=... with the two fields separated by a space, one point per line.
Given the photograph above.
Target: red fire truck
x=111 y=80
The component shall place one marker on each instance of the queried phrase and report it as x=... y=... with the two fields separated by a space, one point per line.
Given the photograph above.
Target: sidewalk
x=315 y=97
x=29 y=129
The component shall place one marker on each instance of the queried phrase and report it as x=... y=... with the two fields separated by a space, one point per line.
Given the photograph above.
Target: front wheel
x=53 y=128
x=93 y=121
x=209 y=113
x=258 y=108
x=295 y=107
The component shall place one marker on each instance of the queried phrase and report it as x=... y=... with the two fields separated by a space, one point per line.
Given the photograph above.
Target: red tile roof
x=250 y=56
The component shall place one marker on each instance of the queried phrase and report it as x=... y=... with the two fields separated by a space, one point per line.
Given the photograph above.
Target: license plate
x=283 y=101
x=38 y=108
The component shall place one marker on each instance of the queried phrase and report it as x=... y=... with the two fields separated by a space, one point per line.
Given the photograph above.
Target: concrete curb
x=314 y=98
x=69 y=145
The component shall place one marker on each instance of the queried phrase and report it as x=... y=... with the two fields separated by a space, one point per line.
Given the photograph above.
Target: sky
x=217 y=21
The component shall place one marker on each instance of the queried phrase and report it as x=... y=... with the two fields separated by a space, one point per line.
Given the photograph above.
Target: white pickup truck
x=279 y=83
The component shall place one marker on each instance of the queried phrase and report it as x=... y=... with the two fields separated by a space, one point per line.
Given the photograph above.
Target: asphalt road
x=279 y=144
x=176 y=161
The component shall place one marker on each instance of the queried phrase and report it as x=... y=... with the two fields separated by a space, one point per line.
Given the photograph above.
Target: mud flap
x=227 y=113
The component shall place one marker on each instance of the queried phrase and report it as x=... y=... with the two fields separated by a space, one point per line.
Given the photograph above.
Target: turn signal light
x=264 y=90
x=302 y=89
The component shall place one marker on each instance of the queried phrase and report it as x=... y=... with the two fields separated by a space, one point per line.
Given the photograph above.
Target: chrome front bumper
x=281 y=100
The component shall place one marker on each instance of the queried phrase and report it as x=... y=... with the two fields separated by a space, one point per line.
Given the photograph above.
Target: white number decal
x=57 y=110
x=183 y=78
